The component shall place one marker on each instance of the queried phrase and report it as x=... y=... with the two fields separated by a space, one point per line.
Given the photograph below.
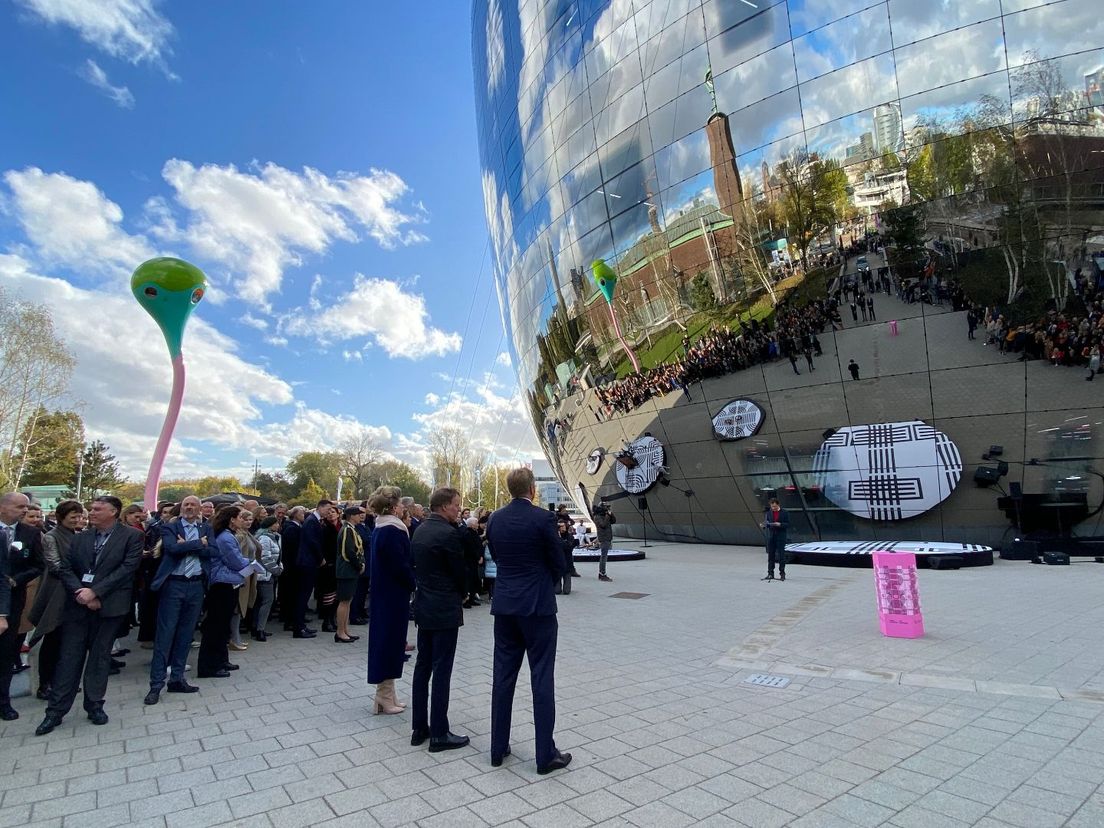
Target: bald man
x=21 y=548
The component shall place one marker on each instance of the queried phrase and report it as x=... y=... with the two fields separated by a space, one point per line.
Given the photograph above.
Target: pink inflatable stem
x=153 y=479
x=624 y=344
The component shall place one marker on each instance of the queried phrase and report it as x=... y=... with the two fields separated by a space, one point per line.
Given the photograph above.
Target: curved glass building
x=844 y=253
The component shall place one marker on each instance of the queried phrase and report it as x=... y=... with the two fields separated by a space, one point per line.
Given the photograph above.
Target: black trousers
x=10 y=643
x=49 y=651
x=307 y=575
x=213 y=654
x=359 y=608
x=436 y=651
x=517 y=637
x=288 y=590
x=86 y=641
x=776 y=554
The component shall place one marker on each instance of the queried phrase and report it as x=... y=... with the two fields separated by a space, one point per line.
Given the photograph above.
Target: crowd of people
x=76 y=582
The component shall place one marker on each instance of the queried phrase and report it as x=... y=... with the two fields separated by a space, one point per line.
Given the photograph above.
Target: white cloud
x=72 y=223
x=131 y=30
x=503 y=359
x=95 y=75
x=254 y=322
x=380 y=311
x=260 y=222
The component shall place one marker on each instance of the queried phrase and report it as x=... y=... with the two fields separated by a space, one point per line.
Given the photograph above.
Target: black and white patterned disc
x=650 y=459
x=738 y=420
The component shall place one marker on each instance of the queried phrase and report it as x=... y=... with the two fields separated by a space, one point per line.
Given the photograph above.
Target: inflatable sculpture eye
x=197 y=294
x=150 y=291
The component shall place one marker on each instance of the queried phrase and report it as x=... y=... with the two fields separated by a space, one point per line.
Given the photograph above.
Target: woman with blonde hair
x=389 y=608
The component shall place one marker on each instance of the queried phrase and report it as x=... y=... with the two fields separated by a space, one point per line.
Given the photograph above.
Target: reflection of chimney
x=726 y=176
x=562 y=305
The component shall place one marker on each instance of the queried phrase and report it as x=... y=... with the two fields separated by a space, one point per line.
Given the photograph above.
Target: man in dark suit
x=21 y=549
x=310 y=558
x=776 y=521
x=187 y=544
x=442 y=584
x=524 y=544
x=97 y=575
x=289 y=557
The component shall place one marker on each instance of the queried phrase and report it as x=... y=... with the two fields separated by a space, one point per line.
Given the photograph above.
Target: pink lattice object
x=898 y=595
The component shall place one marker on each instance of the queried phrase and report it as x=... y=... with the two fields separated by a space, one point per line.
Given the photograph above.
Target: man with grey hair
x=21 y=549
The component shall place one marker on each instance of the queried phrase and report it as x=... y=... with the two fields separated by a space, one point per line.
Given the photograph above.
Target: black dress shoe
x=359 y=622
x=48 y=725
x=561 y=761
x=43 y=694
x=304 y=633
x=97 y=717
x=328 y=627
x=182 y=687
x=496 y=761
x=152 y=697
x=116 y=663
x=8 y=713
x=215 y=674
x=418 y=737
x=448 y=742
x=339 y=640
x=230 y=667
x=114 y=671
x=120 y=653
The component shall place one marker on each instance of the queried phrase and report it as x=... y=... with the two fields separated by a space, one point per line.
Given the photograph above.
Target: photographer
x=603 y=523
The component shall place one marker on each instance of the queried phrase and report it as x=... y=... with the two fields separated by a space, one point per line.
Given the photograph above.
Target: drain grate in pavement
x=764 y=680
x=632 y=596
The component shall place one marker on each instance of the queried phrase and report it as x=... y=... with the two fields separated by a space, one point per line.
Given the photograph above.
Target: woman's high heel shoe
x=339 y=640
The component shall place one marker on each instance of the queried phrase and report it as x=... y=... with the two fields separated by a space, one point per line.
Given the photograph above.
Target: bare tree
x=451 y=457
x=35 y=369
x=358 y=455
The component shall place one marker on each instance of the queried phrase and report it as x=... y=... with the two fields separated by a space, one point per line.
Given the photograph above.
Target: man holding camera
x=603 y=525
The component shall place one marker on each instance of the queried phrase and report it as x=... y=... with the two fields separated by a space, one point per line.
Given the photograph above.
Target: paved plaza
x=995 y=717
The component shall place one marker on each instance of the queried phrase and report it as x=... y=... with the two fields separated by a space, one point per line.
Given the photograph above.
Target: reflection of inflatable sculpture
x=594 y=460
x=737 y=420
x=888 y=471
x=169 y=289
x=606 y=279
x=640 y=465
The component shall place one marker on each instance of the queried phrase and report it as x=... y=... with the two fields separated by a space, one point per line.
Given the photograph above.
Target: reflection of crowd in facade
x=723 y=351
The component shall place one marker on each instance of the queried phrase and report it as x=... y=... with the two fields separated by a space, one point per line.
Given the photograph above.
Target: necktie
x=192 y=566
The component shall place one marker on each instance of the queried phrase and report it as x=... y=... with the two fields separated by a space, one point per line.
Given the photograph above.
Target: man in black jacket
x=97 y=573
x=21 y=550
x=438 y=611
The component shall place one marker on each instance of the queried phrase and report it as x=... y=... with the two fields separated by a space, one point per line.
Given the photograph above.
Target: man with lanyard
x=186 y=546
x=98 y=576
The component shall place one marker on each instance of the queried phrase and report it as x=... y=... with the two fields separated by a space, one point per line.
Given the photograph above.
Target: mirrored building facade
x=739 y=249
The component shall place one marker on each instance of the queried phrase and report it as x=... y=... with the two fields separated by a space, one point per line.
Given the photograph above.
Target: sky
x=321 y=168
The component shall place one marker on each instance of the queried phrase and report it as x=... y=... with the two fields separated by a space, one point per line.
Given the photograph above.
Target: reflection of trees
x=814 y=196
x=1029 y=163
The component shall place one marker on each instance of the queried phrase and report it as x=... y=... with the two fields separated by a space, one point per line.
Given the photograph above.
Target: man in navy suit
x=525 y=545
x=186 y=546
x=310 y=558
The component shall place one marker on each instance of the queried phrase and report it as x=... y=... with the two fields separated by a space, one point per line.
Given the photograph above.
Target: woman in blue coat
x=389 y=608
x=222 y=594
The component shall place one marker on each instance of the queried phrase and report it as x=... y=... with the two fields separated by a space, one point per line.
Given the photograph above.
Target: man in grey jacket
x=603 y=524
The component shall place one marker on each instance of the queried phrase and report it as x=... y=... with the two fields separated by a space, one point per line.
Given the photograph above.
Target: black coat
x=22 y=565
x=439 y=561
x=113 y=580
x=525 y=545
x=289 y=546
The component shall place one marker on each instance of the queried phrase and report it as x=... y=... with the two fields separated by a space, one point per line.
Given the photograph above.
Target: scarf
x=391 y=520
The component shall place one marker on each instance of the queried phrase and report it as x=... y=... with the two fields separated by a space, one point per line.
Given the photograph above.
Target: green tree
x=905 y=227
x=99 y=472
x=51 y=445
x=814 y=196
x=323 y=467
x=35 y=368
x=275 y=485
x=921 y=175
x=403 y=475
x=702 y=298
x=310 y=495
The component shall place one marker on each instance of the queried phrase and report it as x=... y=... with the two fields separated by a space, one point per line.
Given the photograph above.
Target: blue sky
x=321 y=167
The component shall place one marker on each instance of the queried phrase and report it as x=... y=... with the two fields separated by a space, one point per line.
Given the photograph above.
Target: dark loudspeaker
x=1056 y=558
x=1002 y=468
x=996 y=451
x=945 y=562
x=1015 y=489
x=986 y=475
x=642 y=503
x=1020 y=550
